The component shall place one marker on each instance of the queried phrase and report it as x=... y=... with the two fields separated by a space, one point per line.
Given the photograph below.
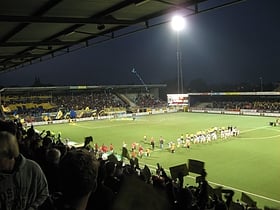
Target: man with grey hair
x=23 y=185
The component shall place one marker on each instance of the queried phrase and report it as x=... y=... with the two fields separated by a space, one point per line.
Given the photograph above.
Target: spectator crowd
x=236 y=105
x=35 y=108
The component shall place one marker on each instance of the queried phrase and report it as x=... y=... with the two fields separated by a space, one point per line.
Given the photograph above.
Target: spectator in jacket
x=23 y=185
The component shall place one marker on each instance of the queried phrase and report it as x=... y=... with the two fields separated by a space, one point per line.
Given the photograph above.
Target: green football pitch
x=247 y=163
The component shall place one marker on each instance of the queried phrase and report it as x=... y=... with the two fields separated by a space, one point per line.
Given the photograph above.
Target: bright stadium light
x=178 y=23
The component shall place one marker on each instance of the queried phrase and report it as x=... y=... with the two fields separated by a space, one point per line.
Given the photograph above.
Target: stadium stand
x=33 y=105
x=228 y=101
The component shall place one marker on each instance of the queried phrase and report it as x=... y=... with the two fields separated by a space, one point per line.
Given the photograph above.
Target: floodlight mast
x=178 y=24
x=141 y=80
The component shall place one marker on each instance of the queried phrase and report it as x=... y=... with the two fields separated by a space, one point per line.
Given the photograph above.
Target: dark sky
x=238 y=43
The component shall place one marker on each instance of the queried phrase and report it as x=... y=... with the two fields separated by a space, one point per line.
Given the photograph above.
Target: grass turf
x=249 y=162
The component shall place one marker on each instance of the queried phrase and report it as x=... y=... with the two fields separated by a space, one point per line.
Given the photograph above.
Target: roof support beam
x=39 y=12
x=34 y=44
x=70 y=29
x=37 y=19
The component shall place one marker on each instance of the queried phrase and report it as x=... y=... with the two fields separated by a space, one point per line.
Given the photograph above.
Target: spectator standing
x=51 y=169
x=78 y=179
x=23 y=185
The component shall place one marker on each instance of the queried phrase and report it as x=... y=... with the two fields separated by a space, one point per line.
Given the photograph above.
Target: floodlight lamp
x=178 y=23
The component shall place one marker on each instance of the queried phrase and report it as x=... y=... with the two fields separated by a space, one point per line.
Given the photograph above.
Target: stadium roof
x=33 y=30
x=17 y=90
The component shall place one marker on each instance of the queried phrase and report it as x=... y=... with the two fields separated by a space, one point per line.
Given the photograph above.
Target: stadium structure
x=39 y=104
x=35 y=31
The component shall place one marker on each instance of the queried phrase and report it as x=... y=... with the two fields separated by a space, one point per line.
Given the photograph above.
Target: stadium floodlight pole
x=178 y=24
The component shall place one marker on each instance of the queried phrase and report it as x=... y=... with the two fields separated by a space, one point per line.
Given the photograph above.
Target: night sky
x=234 y=44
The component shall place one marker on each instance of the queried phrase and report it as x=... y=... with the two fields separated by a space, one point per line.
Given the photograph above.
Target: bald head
x=8 y=145
x=9 y=151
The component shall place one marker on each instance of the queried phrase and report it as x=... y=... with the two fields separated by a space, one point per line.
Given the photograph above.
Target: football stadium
x=233 y=135
x=152 y=146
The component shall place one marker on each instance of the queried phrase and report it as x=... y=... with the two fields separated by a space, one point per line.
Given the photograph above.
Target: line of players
x=208 y=135
x=203 y=136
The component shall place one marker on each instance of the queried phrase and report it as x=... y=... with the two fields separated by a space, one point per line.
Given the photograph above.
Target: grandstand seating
x=95 y=102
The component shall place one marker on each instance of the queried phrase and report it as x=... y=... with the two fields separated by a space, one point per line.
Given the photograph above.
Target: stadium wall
x=123 y=116
x=249 y=112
